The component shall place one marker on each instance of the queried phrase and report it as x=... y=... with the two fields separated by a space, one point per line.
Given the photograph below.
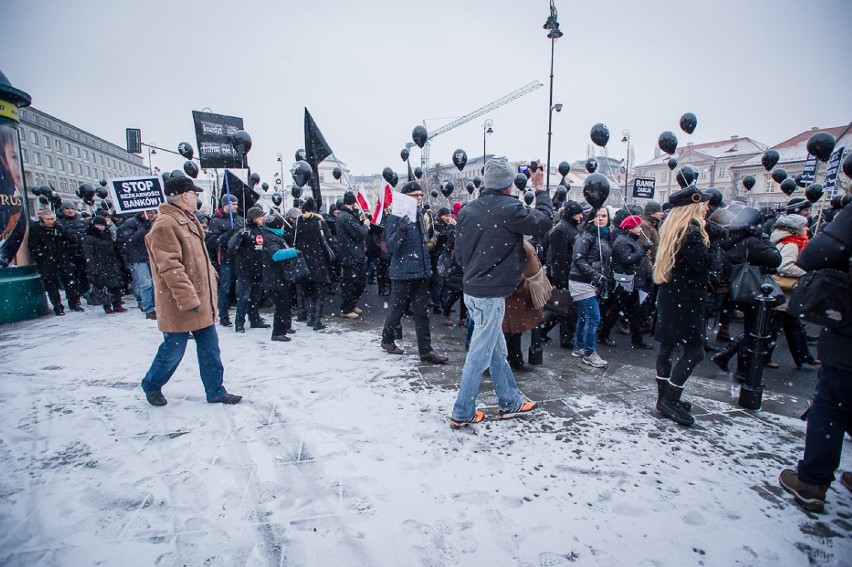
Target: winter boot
x=661 y=387
x=723 y=335
x=59 y=309
x=722 y=358
x=811 y=497
x=670 y=405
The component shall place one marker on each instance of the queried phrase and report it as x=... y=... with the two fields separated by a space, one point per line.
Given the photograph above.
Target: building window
x=102 y=160
x=664 y=176
x=704 y=174
x=768 y=183
x=721 y=171
x=79 y=169
x=77 y=150
x=67 y=148
x=60 y=164
x=25 y=155
x=86 y=155
x=88 y=171
x=34 y=138
x=46 y=141
x=48 y=160
x=58 y=144
x=37 y=158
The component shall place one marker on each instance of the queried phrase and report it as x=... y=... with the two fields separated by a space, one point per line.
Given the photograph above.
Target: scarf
x=800 y=240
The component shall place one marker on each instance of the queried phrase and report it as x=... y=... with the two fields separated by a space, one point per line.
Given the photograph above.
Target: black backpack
x=823 y=297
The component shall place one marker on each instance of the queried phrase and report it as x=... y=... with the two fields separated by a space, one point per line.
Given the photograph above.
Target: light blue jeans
x=143 y=286
x=487 y=349
x=588 y=319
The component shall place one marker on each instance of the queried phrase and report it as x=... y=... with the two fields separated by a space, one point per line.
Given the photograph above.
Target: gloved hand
x=647 y=245
x=405 y=224
x=601 y=281
x=284 y=254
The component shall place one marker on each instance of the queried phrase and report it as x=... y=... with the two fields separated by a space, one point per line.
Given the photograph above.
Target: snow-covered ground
x=342 y=455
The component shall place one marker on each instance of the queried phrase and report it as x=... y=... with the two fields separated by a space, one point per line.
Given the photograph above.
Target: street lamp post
x=626 y=138
x=280 y=187
x=486 y=129
x=553 y=34
x=151 y=152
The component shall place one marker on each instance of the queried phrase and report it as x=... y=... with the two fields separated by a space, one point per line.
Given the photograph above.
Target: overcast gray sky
x=370 y=71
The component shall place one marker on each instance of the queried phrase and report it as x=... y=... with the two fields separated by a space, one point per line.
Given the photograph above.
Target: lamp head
x=557 y=107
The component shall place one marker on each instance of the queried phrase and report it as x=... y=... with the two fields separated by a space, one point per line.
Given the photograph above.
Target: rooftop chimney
x=735 y=136
x=689 y=144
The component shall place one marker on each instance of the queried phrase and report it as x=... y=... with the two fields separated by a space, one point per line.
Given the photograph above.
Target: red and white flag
x=385 y=200
x=363 y=203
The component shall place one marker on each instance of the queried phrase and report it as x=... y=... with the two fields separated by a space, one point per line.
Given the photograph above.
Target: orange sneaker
x=458 y=424
x=523 y=408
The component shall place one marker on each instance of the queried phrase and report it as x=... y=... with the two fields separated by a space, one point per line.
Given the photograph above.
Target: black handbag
x=746 y=281
x=560 y=302
x=329 y=252
x=296 y=269
x=624 y=281
x=98 y=296
x=823 y=297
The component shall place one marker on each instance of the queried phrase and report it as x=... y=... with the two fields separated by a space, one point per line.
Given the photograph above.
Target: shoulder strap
x=296 y=233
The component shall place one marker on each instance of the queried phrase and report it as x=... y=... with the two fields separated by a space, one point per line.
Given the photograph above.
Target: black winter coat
x=560 y=251
x=351 y=239
x=681 y=301
x=592 y=256
x=273 y=272
x=308 y=234
x=489 y=246
x=832 y=248
x=219 y=231
x=75 y=227
x=248 y=252
x=630 y=258
x=131 y=239
x=103 y=262
x=761 y=252
x=49 y=247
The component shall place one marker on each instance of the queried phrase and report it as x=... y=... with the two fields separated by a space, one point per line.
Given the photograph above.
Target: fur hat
x=652 y=207
x=99 y=220
x=796 y=205
x=689 y=195
x=571 y=208
x=794 y=223
x=498 y=174
x=309 y=206
x=255 y=213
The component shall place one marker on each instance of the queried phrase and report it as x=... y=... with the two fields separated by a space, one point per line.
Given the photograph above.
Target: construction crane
x=526 y=89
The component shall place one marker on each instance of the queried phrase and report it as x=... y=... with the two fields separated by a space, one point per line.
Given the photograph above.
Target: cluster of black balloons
x=820 y=145
x=390 y=176
x=47 y=195
x=667 y=141
x=189 y=167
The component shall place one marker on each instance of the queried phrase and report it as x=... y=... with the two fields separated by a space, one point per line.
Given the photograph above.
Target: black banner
x=643 y=188
x=809 y=173
x=831 y=171
x=213 y=134
x=136 y=194
x=316 y=150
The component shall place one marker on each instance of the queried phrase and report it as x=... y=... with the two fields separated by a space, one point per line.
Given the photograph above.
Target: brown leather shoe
x=811 y=497
x=434 y=358
x=391 y=348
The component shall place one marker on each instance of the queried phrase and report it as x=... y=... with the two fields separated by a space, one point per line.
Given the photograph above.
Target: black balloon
x=301 y=155
x=418 y=173
x=42 y=200
x=447 y=187
x=470 y=188
x=176 y=173
x=596 y=190
x=301 y=173
x=264 y=186
x=672 y=163
x=190 y=169
x=37 y=191
x=394 y=180
x=78 y=191
x=599 y=134
x=779 y=175
x=277 y=199
x=387 y=175
x=185 y=149
x=591 y=165
x=419 y=135
x=434 y=193
x=459 y=159
x=715 y=197
x=521 y=181
x=336 y=173
x=814 y=192
x=404 y=154
x=561 y=192
x=101 y=192
x=533 y=166
x=477 y=181
x=166 y=175
x=198 y=204
x=529 y=197
x=847 y=165
x=564 y=168
x=667 y=142
x=254 y=179
x=748 y=182
x=527 y=173
x=688 y=122
x=769 y=159
x=241 y=142
x=788 y=186
x=102 y=182
x=799 y=179
x=821 y=145
x=686 y=176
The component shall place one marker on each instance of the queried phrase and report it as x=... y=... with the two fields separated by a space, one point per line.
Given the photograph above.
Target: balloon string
x=623 y=200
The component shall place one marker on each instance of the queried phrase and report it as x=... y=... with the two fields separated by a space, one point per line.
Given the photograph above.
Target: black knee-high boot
x=670 y=406
x=722 y=358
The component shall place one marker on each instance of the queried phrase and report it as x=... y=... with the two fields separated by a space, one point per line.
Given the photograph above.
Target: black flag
x=410 y=173
x=316 y=150
x=236 y=187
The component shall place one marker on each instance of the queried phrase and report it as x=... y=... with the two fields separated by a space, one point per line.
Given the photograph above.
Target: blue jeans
x=829 y=418
x=226 y=280
x=588 y=319
x=487 y=349
x=143 y=286
x=171 y=353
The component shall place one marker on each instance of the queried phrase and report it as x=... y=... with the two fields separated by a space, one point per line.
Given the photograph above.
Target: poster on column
x=136 y=194
x=14 y=221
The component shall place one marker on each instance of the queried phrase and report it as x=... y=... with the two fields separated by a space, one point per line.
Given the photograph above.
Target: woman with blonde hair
x=682 y=272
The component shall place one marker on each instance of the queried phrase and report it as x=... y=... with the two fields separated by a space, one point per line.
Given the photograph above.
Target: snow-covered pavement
x=341 y=455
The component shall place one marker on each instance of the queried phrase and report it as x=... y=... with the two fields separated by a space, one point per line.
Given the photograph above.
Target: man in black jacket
x=489 y=247
x=75 y=227
x=49 y=247
x=831 y=413
x=351 y=235
x=223 y=224
x=131 y=241
x=559 y=253
x=247 y=246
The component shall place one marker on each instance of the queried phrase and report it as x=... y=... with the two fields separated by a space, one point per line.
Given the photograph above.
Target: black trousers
x=353 y=280
x=567 y=325
x=383 y=276
x=450 y=298
x=281 y=320
x=513 y=346
x=416 y=294
x=52 y=280
x=619 y=301
x=313 y=295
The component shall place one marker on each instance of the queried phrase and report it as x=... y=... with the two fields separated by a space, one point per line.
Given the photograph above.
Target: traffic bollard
x=751 y=392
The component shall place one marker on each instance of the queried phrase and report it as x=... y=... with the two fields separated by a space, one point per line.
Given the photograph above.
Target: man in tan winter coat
x=184 y=295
